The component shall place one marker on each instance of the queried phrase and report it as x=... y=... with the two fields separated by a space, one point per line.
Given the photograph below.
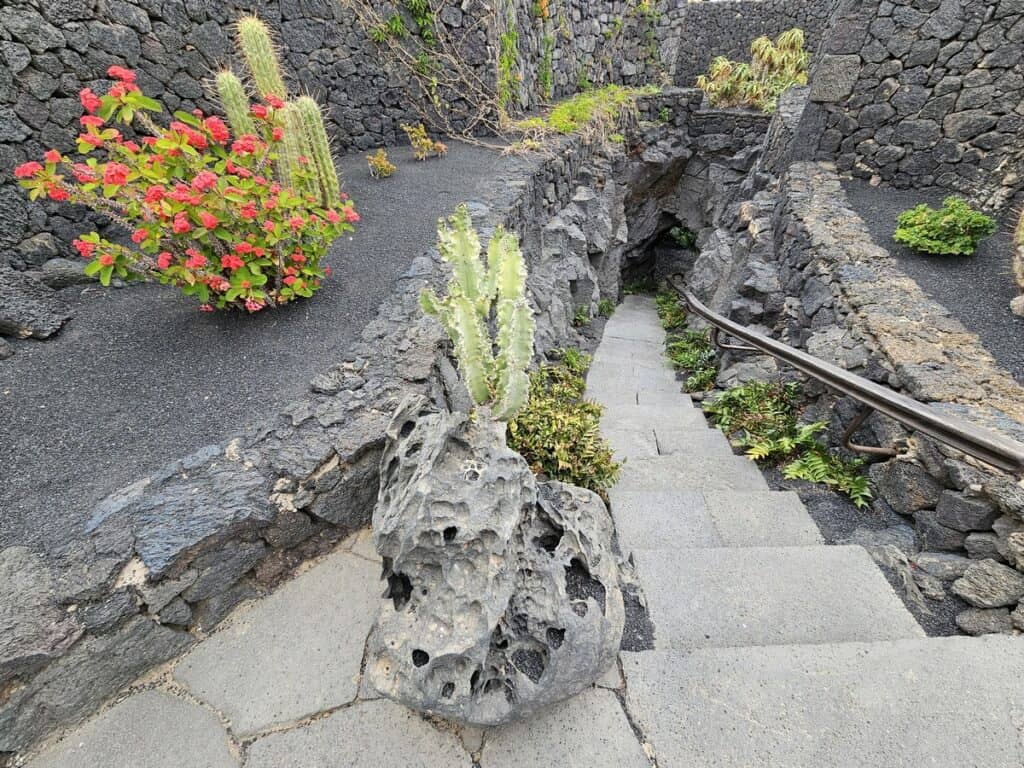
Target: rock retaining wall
x=924 y=93
x=169 y=556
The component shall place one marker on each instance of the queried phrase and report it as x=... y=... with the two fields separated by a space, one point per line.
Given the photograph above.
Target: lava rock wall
x=924 y=93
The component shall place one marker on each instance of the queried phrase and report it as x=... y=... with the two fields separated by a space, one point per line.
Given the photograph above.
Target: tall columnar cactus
x=257 y=47
x=305 y=134
x=476 y=292
x=235 y=101
x=318 y=149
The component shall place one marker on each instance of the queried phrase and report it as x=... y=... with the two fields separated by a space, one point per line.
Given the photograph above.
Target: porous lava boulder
x=502 y=594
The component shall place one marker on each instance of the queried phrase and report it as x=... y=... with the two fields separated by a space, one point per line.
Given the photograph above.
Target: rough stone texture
x=68 y=689
x=368 y=733
x=28 y=308
x=922 y=95
x=296 y=653
x=501 y=597
x=988 y=584
x=985 y=621
x=126 y=735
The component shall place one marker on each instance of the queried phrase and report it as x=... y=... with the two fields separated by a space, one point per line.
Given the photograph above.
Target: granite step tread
x=752 y=596
x=670 y=520
x=846 y=705
x=680 y=473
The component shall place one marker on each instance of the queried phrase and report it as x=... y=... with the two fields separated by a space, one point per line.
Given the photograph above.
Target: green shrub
x=606 y=307
x=581 y=318
x=955 y=228
x=558 y=431
x=593 y=113
x=693 y=353
x=763 y=418
x=773 y=68
x=671 y=311
x=640 y=285
x=684 y=237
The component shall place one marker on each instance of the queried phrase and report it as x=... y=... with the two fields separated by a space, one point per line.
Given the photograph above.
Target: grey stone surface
x=762 y=519
x=502 y=597
x=151 y=729
x=590 y=729
x=846 y=705
x=661 y=519
x=942 y=565
x=34 y=629
x=369 y=733
x=985 y=621
x=965 y=513
x=988 y=584
x=28 y=308
x=699 y=473
x=94 y=669
x=296 y=653
x=769 y=596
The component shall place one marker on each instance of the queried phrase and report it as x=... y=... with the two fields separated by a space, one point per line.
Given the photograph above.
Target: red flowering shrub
x=202 y=208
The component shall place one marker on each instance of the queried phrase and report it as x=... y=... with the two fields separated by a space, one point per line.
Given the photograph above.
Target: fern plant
x=762 y=418
x=479 y=295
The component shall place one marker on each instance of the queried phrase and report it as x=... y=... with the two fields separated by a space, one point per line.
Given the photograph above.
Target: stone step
x=671 y=521
x=727 y=597
x=698 y=472
x=634 y=431
x=950 y=701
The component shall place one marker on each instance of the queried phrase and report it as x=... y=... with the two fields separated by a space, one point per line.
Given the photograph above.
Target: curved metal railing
x=989 y=447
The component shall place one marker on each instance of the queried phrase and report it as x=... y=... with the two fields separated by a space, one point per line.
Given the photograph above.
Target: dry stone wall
x=924 y=93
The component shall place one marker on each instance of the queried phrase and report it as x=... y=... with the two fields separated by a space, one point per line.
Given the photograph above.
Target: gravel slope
x=140 y=377
x=976 y=289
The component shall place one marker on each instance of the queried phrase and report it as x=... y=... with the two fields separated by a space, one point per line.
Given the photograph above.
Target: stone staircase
x=772 y=649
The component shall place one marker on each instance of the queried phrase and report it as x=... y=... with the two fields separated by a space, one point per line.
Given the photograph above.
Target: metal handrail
x=982 y=444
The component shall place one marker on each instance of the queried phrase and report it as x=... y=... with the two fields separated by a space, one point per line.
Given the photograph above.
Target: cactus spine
x=325 y=175
x=498 y=381
x=258 y=49
x=235 y=102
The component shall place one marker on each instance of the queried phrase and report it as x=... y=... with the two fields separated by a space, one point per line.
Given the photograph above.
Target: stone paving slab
x=948 y=702
x=588 y=730
x=296 y=653
x=151 y=729
x=773 y=519
x=662 y=519
x=694 y=473
x=369 y=734
x=769 y=596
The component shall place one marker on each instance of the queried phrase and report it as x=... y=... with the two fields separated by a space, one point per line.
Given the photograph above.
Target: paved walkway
x=771 y=649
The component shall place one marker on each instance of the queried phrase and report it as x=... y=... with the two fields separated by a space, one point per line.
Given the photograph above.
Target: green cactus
x=235 y=102
x=304 y=131
x=498 y=382
x=261 y=56
x=318 y=151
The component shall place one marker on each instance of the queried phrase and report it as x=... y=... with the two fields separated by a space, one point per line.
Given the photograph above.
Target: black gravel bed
x=139 y=377
x=976 y=289
x=837 y=519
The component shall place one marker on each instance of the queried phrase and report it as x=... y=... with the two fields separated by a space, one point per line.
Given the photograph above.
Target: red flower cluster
x=201 y=213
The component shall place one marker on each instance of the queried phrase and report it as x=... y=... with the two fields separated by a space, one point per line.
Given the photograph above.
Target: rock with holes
x=502 y=596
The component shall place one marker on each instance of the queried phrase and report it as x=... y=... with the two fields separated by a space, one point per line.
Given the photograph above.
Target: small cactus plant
x=478 y=292
x=306 y=162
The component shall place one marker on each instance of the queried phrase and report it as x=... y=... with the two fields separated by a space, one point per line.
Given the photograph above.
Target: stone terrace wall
x=169 y=556
x=699 y=31
x=924 y=93
x=827 y=288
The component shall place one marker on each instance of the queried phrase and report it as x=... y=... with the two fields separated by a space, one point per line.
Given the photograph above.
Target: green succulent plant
x=493 y=369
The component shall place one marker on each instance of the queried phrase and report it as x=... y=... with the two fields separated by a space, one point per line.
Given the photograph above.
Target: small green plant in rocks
x=558 y=432
x=763 y=418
